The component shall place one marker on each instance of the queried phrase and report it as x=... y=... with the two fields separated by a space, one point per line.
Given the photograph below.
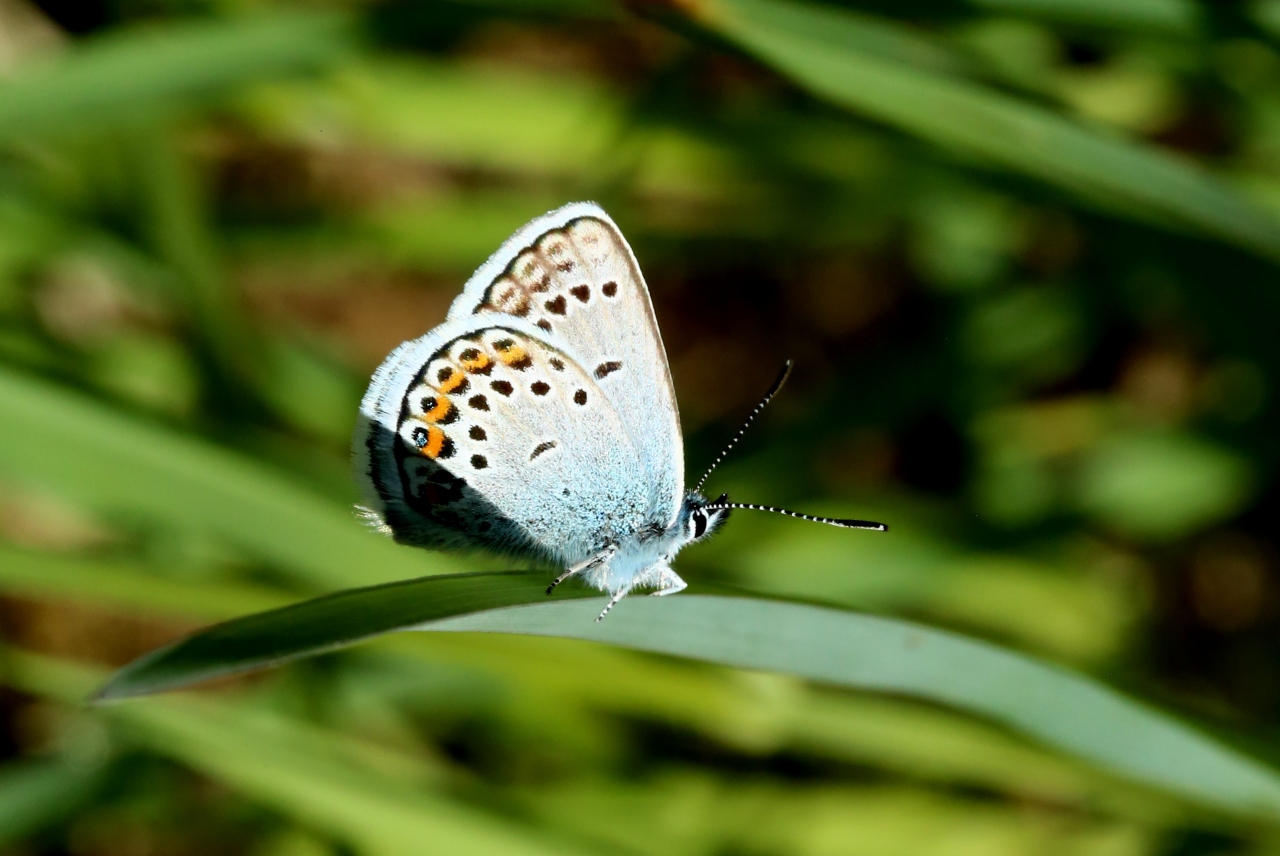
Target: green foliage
x=1022 y=251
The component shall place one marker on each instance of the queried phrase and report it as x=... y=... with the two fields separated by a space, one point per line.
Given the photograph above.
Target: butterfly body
x=539 y=419
x=642 y=558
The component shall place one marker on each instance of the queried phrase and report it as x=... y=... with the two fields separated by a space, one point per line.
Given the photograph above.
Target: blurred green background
x=1024 y=254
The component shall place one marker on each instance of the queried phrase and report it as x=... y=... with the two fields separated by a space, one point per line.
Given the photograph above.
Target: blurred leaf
x=1162 y=485
x=1266 y=14
x=880 y=37
x=684 y=812
x=175 y=217
x=815 y=46
x=1177 y=17
x=132 y=73
x=449 y=233
x=63 y=441
x=36 y=794
x=314 y=394
x=317 y=777
x=152 y=371
x=964 y=240
x=1064 y=710
x=1031 y=334
x=126 y=587
x=491 y=118
x=1130 y=92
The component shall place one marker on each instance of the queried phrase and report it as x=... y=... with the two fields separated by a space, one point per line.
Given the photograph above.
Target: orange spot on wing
x=441 y=410
x=451 y=383
x=512 y=355
x=435 y=442
x=476 y=364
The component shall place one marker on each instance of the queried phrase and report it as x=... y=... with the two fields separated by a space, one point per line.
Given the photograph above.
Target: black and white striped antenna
x=721 y=504
x=833 y=521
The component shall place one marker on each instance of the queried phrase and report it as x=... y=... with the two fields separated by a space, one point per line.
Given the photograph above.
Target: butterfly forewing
x=573 y=276
x=485 y=433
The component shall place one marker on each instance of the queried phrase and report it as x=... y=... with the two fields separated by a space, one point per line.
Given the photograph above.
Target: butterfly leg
x=667 y=582
x=613 y=601
x=599 y=558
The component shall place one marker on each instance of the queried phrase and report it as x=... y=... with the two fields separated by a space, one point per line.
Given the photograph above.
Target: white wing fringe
x=373 y=520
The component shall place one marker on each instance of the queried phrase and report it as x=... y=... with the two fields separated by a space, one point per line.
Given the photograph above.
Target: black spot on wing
x=605 y=369
x=543 y=447
x=539 y=387
x=479 y=402
x=610 y=289
x=556 y=306
x=502 y=387
x=477 y=433
x=582 y=292
x=580 y=398
x=479 y=462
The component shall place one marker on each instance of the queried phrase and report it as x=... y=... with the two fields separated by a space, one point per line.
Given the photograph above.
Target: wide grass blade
x=323 y=624
x=132 y=73
x=1060 y=708
x=820 y=49
x=883 y=733
x=1163 y=17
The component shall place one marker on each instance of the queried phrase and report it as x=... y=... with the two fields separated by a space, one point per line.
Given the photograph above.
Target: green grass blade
x=1165 y=17
x=63 y=441
x=818 y=48
x=1060 y=708
x=323 y=624
x=129 y=73
x=128 y=587
x=175 y=212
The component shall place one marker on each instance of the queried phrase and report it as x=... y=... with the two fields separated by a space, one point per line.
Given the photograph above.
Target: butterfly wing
x=488 y=432
x=571 y=274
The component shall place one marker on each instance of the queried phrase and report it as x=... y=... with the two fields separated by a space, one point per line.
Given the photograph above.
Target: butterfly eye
x=699 y=523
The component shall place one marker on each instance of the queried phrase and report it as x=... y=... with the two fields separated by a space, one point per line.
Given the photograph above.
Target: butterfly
x=539 y=420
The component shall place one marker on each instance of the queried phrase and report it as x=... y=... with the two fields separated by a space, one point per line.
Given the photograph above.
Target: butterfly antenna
x=768 y=396
x=833 y=521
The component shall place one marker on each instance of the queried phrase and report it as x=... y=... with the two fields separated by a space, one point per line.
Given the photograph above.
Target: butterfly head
x=699 y=518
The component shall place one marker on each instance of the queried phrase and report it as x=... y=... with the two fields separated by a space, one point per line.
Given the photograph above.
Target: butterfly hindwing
x=571 y=274
x=487 y=433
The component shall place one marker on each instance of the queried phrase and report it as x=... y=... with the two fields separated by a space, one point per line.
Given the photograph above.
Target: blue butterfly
x=539 y=419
